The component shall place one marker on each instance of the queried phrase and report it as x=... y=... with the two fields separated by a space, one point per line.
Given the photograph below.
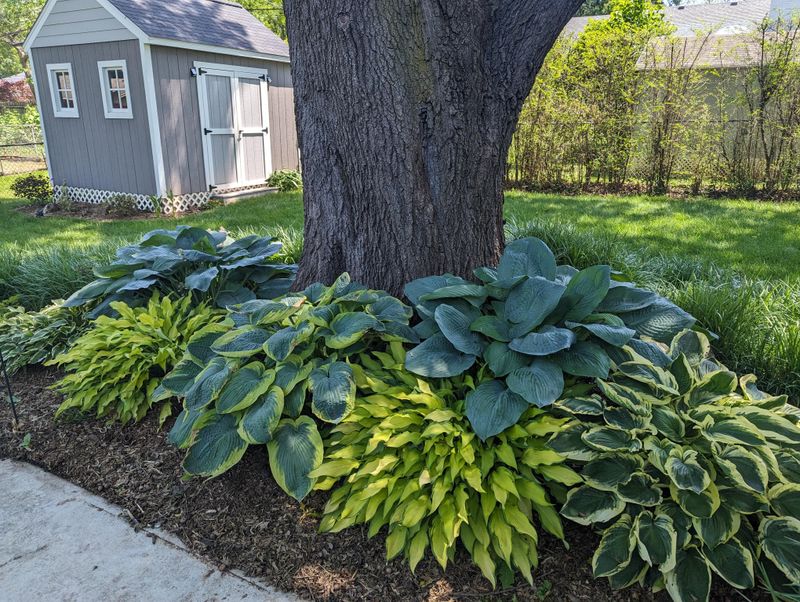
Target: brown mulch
x=98 y=213
x=243 y=520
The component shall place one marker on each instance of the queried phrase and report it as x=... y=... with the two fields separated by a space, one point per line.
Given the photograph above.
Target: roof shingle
x=212 y=22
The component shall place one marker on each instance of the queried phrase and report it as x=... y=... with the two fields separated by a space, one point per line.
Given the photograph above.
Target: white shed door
x=234 y=116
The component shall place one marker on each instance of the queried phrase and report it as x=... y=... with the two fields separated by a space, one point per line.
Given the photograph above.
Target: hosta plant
x=209 y=266
x=689 y=471
x=533 y=325
x=261 y=377
x=114 y=369
x=407 y=459
x=30 y=338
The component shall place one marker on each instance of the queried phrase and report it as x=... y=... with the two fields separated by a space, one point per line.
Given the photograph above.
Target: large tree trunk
x=406 y=110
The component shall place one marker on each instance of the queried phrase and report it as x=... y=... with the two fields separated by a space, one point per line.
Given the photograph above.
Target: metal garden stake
x=8 y=387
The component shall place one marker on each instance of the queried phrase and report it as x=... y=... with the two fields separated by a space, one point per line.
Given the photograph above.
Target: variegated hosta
x=531 y=323
x=247 y=381
x=689 y=470
x=408 y=459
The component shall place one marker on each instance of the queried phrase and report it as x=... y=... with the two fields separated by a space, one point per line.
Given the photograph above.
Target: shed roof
x=212 y=22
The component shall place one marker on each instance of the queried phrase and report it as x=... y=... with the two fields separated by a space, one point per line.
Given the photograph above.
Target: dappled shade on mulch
x=243 y=520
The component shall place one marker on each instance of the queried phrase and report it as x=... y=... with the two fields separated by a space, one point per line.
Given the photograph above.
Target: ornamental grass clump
x=689 y=471
x=533 y=327
x=266 y=374
x=114 y=369
x=407 y=458
x=209 y=266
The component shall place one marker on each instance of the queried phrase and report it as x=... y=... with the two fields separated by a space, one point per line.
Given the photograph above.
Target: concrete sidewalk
x=59 y=542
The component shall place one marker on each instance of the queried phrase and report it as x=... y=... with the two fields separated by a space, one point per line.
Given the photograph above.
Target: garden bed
x=243 y=520
x=99 y=213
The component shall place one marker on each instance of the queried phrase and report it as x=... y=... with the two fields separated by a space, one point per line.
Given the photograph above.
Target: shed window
x=62 y=90
x=115 y=89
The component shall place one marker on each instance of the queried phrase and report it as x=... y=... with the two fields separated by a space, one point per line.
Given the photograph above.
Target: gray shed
x=181 y=99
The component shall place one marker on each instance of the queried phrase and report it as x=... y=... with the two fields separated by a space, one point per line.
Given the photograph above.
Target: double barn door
x=234 y=116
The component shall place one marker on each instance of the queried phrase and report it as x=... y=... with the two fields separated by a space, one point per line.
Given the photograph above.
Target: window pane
x=120 y=80
x=70 y=100
x=116 y=103
x=64 y=100
x=123 y=99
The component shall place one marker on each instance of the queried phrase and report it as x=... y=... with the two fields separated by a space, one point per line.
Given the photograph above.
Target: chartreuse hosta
x=533 y=325
x=249 y=381
x=689 y=471
x=407 y=458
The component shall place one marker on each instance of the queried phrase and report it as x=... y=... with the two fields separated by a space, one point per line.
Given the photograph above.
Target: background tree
x=16 y=20
x=269 y=12
x=405 y=111
x=591 y=8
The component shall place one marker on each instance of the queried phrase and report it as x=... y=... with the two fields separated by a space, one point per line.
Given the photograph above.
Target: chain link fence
x=21 y=149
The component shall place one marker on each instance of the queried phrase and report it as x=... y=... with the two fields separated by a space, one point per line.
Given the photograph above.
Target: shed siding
x=74 y=22
x=179 y=115
x=92 y=151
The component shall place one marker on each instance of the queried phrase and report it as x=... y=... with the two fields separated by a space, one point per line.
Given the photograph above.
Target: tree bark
x=405 y=113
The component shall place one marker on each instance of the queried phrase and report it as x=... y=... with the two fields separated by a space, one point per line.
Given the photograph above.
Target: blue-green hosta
x=689 y=471
x=210 y=266
x=249 y=381
x=534 y=325
x=407 y=458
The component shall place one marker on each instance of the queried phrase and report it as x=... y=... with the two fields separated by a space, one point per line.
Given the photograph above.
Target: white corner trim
x=151 y=101
x=105 y=90
x=58 y=111
x=37 y=26
x=126 y=22
x=37 y=93
x=218 y=50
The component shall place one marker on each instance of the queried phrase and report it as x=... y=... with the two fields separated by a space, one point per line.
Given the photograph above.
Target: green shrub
x=35 y=188
x=688 y=470
x=286 y=180
x=122 y=205
x=249 y=381
x=407 y=458
x=189 y=261
x=114 y=369
x=29 y=338
x=530 y=323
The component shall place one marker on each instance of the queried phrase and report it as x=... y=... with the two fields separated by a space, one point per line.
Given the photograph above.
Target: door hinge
x=212 y=188
x=265 y=78
x=195 y=71
x=206 y=131
x=266 y=130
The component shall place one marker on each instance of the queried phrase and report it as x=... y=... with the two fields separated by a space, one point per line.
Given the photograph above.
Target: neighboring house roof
x=213 y=22
x=15 y=90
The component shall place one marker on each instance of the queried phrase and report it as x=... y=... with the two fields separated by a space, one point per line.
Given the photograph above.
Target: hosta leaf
x=349 y=328
x=733 y=431
x=540 y=384
x=690 y=581
x=604 y=438
x=502 y=361
x=180 y=380
x=547 y=341
x=280 y=345
x=625 y=397
x=626 y=298
x=455 y=326
x=494 y=327
x=243 y=388
x=698 y=505
x=641 y=489
x=771 y=425
x=785 y=499
x=208 y=384
x=199 y=347
x=657 y=540
x=650 y=375
x=668 y=423
x=181 y=433
x=585 y=359
x=295 y=450
x=587 y=505
x=615 y=548
x=584 y=293
x=686 y=472
x=651 y=352
x=780 y=542
x=618 y=336
x=744 y=500
x=744 y=467
x=491 y=409
x=624 y=419
x=527 y=257
x=333 y=392
x=437 y=358
x=611 y=470
x=262 y=418
x=242 y=342
x=694 y=345
x=202 y=279
x=569 y=442
x=234 y=294
x=217 y=447
x=582 y=406
x=733 y=562
x=718 y=528
x=789 y=463
x=531 y=301
x=660 y=320
x=473 y=293
x=632 y=573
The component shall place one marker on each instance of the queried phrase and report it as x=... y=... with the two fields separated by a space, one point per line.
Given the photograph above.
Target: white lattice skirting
x=178 y=204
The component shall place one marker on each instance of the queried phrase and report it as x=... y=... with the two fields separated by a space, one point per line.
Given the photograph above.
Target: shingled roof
x=211 y=22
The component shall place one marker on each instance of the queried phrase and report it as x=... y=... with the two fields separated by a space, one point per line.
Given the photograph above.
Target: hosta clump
x=30 y=338
x=688 y=470
x=114 y=369
x=530 y=323
x=407 y=458
x=248 y=382
x=208 y=265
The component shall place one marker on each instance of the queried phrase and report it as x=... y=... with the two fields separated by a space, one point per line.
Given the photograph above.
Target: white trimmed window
x=62 y=90
x=115 y=88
